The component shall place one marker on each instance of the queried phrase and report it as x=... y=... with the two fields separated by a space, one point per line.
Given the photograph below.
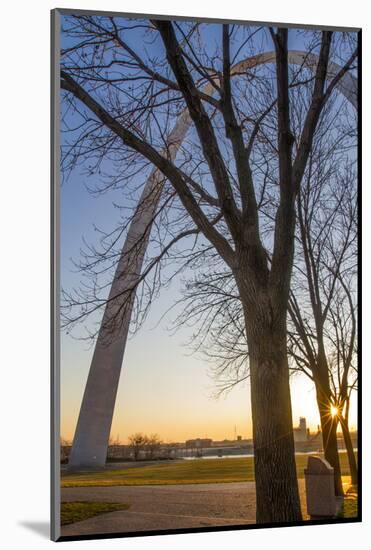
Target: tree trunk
x=277 y=494
x=328 y=427
x=350 y=451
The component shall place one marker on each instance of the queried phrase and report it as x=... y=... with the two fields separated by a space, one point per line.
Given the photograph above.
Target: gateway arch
x=90 y=443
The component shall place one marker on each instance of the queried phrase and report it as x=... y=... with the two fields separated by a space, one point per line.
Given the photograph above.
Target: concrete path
x=162 y=507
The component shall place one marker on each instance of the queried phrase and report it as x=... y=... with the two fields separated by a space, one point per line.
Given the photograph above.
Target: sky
x=163 y=389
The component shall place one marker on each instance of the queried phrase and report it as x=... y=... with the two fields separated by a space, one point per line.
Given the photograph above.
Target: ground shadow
x=42 y=528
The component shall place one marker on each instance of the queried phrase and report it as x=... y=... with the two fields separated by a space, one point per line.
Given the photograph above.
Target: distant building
x=198 y=443
x=301 y=433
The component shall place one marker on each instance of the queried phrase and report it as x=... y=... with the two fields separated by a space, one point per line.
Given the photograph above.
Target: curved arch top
x=347 y=85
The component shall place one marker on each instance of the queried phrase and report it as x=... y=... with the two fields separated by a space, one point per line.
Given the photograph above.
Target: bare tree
x=322 y=329
x=65 y=445
x=153 y=445
x=343 y=363
x=322 y=311
x=137 y=442
x=214 y=188
x=328 y=233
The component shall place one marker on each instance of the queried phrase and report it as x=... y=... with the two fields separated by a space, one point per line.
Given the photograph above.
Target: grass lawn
x=71 y=512
x=204 y=470
x=350 y=504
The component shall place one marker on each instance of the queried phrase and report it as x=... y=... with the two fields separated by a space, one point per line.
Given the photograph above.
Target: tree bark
x=277 y=494
x=350 y=451
x=328 y=427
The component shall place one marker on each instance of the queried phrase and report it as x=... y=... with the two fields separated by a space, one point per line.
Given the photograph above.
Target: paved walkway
x=157 y=507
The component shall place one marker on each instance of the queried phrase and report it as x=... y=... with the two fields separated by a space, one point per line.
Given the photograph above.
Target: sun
x=334 y=410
